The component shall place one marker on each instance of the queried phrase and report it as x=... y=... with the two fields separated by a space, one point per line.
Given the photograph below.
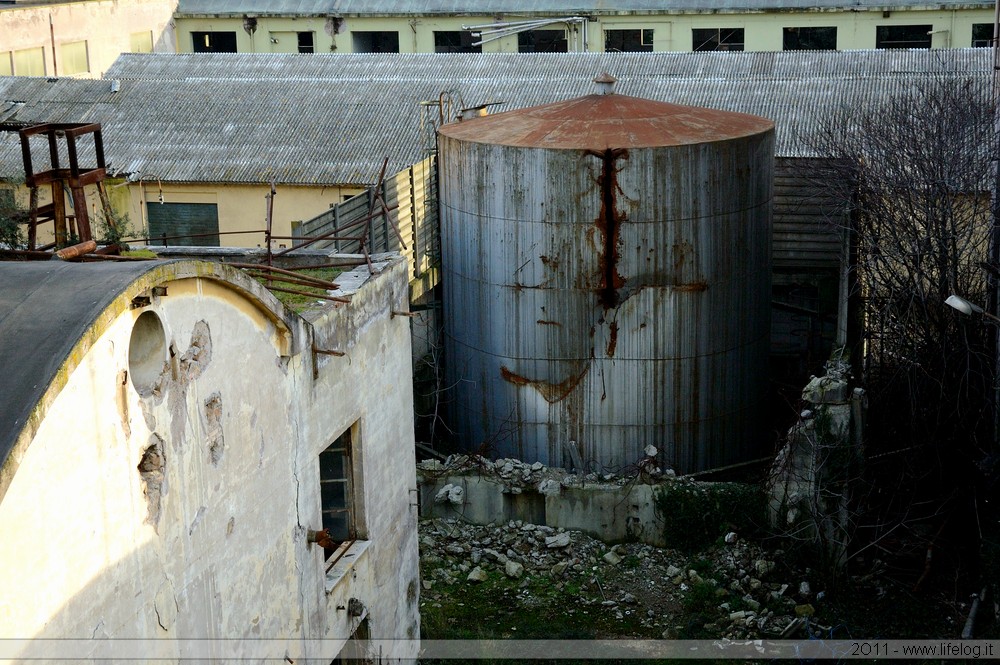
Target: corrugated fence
x=410 y=195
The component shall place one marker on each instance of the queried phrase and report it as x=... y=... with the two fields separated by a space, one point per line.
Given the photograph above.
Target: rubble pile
x=739 y=590
x=517 y=476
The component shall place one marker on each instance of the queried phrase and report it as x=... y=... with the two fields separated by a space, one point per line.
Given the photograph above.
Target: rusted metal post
x=33 y=218
x=77 y=250
x=59 y=213
x=267 y=231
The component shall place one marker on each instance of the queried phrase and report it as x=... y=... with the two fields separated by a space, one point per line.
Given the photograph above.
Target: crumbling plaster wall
x=106 y=26
x=237 y=418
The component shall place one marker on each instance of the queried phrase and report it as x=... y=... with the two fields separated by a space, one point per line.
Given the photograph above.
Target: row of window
x=74 y=57
x=554 y=41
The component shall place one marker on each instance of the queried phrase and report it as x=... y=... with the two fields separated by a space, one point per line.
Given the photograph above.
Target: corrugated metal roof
x=603 y=121
x=545 y=7
x=331 y=119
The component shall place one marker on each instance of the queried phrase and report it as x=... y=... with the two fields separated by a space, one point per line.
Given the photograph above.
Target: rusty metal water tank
x=607 y=272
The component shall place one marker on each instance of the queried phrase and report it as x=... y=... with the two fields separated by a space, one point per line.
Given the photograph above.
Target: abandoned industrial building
x=186 y=498
x=510 y=26
x=552 y=269
x=176 y=190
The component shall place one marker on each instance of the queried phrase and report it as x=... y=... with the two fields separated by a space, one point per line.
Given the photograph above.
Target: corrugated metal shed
x=520 y=7
x=331 y=119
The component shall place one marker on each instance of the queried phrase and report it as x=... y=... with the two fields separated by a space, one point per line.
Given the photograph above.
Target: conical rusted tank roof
x=599 y=122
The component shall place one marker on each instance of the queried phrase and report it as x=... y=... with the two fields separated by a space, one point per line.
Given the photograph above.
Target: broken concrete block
x=826 y=390
x=650 y=451
x=559 y=568
x=513 y=569
x=549 y=487
x=558 y=540
x=612 y=558
x=450 y=494
x=477 y=574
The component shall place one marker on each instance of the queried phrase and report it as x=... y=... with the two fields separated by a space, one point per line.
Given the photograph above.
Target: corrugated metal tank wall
x=609 y=295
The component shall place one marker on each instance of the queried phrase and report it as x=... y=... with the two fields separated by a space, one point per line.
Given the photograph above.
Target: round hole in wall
x=147 y=350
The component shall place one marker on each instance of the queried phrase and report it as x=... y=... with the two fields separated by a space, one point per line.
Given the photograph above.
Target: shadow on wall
x=126 y=616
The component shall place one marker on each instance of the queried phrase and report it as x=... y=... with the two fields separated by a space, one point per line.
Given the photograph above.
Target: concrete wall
x=240 y=413
x=109 y=28
x=671 y=32
x=609 y=512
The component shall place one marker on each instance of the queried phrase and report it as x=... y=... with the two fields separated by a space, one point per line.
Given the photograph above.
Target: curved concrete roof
x=598 y=122
x=47 y=309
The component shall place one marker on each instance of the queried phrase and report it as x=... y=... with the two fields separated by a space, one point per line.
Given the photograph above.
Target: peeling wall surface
x=165 y=483
x=107 y=28
x=607 y=281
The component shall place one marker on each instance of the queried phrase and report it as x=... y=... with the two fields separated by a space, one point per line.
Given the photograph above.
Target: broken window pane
x=628 y=40
x=306 y=42
x=809 y=39
x=982 y=35
x=375 y=42
x=717 y=39
x=542 y=41
x=903 y=36
x=336 y=492
x=455 y=41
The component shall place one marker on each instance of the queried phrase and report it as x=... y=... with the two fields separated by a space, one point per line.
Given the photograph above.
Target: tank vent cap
x=606 y=84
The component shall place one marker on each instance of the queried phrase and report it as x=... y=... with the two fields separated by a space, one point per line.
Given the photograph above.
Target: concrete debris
x=731 y=538
x=644 y=584
x=804 y=589
x=549 y=487
x=513 y=569
x=451 y=494
x=517 y=476
x=558 y=540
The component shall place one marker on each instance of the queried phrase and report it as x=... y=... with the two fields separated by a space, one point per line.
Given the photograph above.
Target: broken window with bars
x=336 y=479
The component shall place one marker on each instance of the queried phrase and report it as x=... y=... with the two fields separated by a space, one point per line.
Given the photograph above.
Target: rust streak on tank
x=612 y=339
x=609 y=222
x=543 y=322
x=551 y=392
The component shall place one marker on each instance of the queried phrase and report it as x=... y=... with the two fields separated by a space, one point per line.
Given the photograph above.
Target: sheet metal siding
x=679 y=363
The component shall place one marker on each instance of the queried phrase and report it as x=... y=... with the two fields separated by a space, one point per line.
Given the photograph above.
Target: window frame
x=206 y=37
x=642 y=40
x=984 y=43
x=528 y=41
x=811 y=30
x=460 y=41
x=881 y=36
x=721 y=39
x=347 y=444
x=370 y=37
x=303 y=47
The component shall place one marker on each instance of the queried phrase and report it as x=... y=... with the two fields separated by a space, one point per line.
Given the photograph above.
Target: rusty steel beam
x=77 y=250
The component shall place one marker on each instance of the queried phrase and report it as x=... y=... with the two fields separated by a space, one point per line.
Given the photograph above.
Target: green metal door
x=186 y=224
